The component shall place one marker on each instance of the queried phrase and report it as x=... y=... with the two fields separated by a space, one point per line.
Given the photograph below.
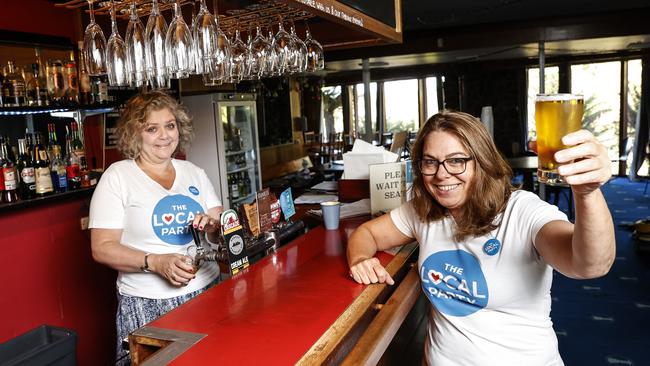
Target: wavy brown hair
x=134 y=119
x=490 y=189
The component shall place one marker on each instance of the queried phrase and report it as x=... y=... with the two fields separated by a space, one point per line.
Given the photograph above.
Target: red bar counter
x=288 y=308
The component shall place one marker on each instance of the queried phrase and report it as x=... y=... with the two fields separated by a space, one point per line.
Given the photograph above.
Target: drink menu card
x=286 y=203
x=251 y=216
x=264 y=200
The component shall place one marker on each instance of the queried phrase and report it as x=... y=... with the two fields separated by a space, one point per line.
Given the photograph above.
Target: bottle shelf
x=60 y=111
x=240 y=152
x=242 y=199
x=239 y=169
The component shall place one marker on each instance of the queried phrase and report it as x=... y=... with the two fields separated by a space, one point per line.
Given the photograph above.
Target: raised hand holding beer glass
x=556 y=115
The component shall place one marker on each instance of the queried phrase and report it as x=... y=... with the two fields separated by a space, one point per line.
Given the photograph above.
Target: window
x=360 y=106
x=432 y=97
x=633 y=101
x=551 y=85
x=332 y=110
x=599 y=83
x=401 y=102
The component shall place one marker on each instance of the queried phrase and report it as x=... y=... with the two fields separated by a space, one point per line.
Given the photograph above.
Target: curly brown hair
x=134 y=118
x=491 y=188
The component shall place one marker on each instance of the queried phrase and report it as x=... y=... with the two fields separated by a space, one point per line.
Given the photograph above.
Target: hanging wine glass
x=315 y=59
x=298 y=53
x=116 y=59
x=271 y=68
x=257 y=54
x=156 y=32
x=218 y=63
x=203 y=33
x=283 y=49
x=136 y=45
x=247 y=61
x=94 y=46
x=237 y=58
x=178 y=46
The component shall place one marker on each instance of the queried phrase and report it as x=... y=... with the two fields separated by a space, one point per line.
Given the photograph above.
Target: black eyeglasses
x=453 y=166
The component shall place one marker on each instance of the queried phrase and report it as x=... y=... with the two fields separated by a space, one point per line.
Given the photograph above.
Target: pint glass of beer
x=555 y=115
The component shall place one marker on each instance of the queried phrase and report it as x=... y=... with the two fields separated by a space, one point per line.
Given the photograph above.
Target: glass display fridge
x=225 y=144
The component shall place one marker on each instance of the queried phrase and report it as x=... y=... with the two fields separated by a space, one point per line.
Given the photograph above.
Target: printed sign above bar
x=377 y=24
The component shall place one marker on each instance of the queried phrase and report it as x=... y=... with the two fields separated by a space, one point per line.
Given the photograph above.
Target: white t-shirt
x=491 y=303
x=153 y=219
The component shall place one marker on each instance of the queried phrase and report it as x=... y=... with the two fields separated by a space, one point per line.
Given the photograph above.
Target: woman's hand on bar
x=370 y=271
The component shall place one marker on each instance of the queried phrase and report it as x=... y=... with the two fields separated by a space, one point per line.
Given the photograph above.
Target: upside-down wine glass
x=178 y=46
x=298 y=53
x=218 y=63
x=116 y=59
x=237 y=58
x=136 y=45
x=94 y=45
x=271 y=68
x=315 y=55
x=156 y=32
x=257 y=55
x=283 y=49
x=204 y=30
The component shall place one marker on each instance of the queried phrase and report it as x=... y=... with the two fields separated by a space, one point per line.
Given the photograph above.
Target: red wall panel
x=49 y=277
x=37 y=16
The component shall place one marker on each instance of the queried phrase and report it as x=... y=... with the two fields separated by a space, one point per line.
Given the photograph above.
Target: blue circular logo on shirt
x=454 y=282
x=193 y=190
x=171 y=216
x=492 y=246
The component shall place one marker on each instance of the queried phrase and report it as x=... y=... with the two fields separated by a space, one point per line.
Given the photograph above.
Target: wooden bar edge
x=151 y=346
x=343 y=333
x=376 y=339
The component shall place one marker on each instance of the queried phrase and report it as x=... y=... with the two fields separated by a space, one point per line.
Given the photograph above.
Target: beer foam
x=558 y=97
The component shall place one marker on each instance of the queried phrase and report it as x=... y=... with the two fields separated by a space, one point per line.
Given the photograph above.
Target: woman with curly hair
x=141 y=209
x=486 y=250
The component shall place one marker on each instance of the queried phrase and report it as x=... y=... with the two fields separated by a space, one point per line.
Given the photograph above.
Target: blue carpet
x=606 y=321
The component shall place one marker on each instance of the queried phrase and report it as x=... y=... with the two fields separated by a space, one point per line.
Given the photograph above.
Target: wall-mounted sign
x=110 y=125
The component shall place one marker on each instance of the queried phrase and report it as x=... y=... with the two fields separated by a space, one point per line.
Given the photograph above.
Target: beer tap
x=203 y=254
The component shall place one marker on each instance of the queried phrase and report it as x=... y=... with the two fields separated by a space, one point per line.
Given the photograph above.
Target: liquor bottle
x=71 y=164
x=99 y=88
x=37 y=88
x=25 y=165
x=247 y=183
x=41 y=168
x=56 y=81
x=72 y=81
x=58 y=171
x=234 y=186
x=52 y=140
x=80 y=152
x=13 y=87
x=85 y=96
x=9 y=176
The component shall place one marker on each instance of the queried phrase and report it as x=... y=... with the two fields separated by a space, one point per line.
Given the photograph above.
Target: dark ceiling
x=438 y=31
x=437 y=14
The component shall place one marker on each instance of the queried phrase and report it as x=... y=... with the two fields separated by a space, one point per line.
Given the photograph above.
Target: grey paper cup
x=331 y=214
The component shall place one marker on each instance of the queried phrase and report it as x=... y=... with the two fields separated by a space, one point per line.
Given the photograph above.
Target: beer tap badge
x=233 y=234
x=171 y=216
x=454 y=282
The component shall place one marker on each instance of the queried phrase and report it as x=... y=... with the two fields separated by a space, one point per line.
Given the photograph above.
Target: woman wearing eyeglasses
x=488 y=251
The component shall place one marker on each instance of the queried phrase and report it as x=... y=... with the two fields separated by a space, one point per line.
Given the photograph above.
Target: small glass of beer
x=555 y=115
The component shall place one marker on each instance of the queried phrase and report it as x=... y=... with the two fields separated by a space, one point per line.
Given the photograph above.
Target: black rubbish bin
x=45 y=345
